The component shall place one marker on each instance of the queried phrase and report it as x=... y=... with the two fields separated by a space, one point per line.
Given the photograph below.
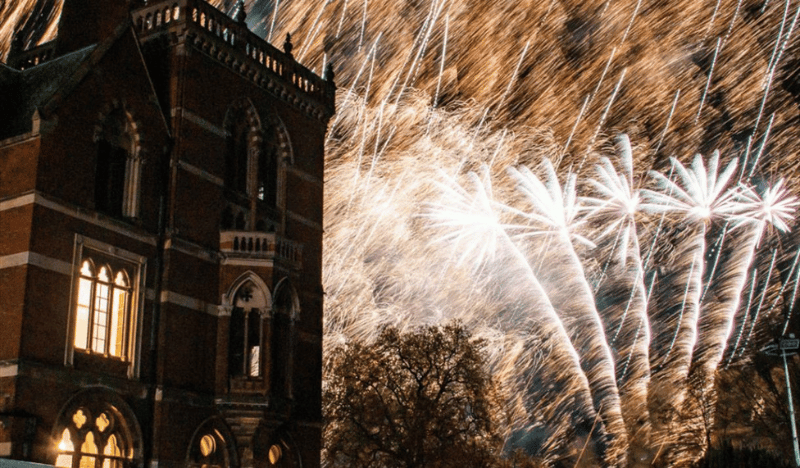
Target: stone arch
x=291 y=302
x=228 y=299
x=258 y=153
x=237 y=109
x=118 y=168
x=99 y=418
x=132 y=124
x=282 y=135
x=212 y=444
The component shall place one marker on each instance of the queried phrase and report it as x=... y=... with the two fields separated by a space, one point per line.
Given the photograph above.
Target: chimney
x=87 y=22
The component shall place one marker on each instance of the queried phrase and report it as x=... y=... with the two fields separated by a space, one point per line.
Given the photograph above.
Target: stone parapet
x=231 y=43
x=260 y=245
x=32 y=57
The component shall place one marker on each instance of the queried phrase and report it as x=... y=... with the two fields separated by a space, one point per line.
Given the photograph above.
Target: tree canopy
x=419 y=399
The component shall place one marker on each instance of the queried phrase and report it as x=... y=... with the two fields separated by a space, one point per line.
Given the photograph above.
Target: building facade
x=161 y=184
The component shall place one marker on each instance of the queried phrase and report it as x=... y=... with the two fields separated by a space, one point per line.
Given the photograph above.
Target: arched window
x=282 y=339
x=103 y=308
x=94 y=438
x=255 y=152
x=238 y=155
x=245 y=342
x=212 y=446
x=117 y=169
x=267 y=180
x=209 y=451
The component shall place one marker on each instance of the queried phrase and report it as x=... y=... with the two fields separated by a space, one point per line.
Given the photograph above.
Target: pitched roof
x=22 y=92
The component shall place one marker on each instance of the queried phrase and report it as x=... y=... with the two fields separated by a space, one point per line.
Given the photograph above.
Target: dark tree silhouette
x=420 y=399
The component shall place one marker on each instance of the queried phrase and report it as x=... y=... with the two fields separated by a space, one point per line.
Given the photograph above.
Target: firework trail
x=517 y=83
x=471 y=225
x=622 y=299
x=775 y=207
x=758 y=211
x=552 y=214
x=700 y=197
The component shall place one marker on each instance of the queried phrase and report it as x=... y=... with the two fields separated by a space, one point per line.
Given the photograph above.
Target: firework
x=605 y=300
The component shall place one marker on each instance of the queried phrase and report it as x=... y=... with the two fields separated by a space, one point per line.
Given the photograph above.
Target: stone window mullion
x=245 y=353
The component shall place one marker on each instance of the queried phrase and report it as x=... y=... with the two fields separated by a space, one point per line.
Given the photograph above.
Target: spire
x=239 y=14
x=329 y=73
x=287 y=45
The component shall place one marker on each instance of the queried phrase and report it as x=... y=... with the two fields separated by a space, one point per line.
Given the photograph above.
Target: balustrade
x=263 y=245
x=32 y=57
x=231 y=42
x=220 y=36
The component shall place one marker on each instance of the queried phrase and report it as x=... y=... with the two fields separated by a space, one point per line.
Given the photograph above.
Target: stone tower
x=161 y=187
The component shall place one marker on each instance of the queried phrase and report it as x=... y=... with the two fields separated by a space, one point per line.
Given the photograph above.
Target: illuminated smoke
x=438 y=98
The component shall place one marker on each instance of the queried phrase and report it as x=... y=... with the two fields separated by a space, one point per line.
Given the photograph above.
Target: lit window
x=207 y=445
x=275 y=454
x=208 y=450
x=65 y=450
x=245 y=343
x=100 y=440
x=102 y=309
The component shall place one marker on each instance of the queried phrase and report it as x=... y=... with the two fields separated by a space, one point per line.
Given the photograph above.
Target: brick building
x=161 y=183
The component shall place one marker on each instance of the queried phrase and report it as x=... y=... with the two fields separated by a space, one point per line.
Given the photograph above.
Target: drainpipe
x=155 y=322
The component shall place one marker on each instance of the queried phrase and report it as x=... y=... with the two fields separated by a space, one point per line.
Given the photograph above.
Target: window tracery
x=90 y=441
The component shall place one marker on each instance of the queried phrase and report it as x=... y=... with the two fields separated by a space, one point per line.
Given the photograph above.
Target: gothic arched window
x=254 y=154
x=245 y=342
x=267 y=180
x=238 y=155
x=282 y=339
x=212 y=446
x=94 y=438
x=117 y=169
x=103 y=309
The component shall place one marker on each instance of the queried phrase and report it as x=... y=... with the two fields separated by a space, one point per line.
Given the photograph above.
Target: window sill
x=100 y=364
x=247 y=385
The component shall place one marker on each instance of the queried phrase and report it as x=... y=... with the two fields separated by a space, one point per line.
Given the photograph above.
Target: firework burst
x=686 y=271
